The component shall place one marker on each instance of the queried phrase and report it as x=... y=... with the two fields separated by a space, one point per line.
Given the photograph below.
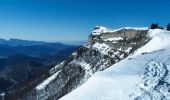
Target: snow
x=136 y=28
x=161 y=39
x=54 y=69
x=143 y=77
x=128 y=50
x=100 y=29
x=47 y=81
x=95 y=83
x=2 y=94
x=122 y=56
x=87 y=67
x=102 y=47
x=154 y=78
x=114 y=39
x=87 y=45
x=74 y=53
x=116 y=53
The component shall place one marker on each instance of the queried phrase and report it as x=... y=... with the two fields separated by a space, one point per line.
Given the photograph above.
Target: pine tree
x=154 y=26
x=168 y=27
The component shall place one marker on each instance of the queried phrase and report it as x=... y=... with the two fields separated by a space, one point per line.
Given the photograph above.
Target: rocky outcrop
x=104 y=48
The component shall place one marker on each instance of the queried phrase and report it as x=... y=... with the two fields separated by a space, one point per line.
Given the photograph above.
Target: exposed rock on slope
x=104 y=48
x=143 y=75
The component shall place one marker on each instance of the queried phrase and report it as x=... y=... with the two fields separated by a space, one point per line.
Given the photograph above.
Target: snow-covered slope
x=105 y=47
x=142 y=76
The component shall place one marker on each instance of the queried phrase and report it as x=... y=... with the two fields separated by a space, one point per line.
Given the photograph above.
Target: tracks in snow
x=154 y=85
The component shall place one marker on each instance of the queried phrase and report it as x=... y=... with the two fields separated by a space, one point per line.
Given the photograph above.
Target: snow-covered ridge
x=142 y=76
x=105 y=51
x=100 y=29
x=160 y=40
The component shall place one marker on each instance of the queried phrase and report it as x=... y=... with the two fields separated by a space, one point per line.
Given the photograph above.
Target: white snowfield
x=142 y=76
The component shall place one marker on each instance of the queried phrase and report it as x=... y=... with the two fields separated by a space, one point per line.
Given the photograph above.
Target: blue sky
x=73 y=20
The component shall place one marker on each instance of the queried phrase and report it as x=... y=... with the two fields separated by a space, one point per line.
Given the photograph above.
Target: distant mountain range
x=21 y=42
x=20 y=60
x=30 y=48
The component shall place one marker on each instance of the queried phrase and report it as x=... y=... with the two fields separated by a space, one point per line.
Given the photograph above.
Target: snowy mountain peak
x=98 y=30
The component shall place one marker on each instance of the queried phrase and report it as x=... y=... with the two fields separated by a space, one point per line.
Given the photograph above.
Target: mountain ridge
x=144 y=75
x=104 y=49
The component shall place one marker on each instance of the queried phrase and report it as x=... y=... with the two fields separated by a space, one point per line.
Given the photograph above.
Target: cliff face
x=143 y=75
x=104 y=48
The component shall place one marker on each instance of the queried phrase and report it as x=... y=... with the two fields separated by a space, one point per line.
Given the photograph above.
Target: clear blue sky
x=73 y=20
